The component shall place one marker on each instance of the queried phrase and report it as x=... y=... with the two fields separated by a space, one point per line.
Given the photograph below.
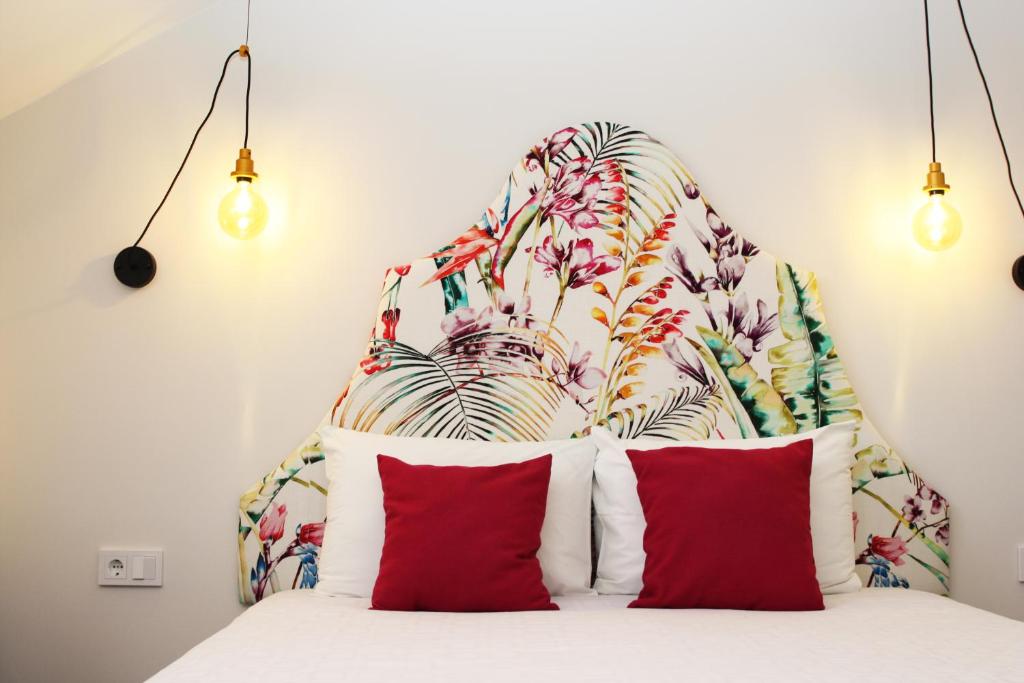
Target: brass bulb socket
x=936 y=183
x=244 y=166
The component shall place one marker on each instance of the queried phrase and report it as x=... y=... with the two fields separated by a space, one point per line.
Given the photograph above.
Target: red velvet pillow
x=462 y=539
x=727 y=528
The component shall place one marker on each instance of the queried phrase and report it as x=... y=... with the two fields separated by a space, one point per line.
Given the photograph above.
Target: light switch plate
x=1020 y=562
x=116 y=567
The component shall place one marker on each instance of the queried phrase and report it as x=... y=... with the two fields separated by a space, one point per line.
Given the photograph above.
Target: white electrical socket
x=130 y=567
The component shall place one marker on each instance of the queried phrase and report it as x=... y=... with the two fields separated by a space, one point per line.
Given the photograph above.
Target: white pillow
x=354 y=535
x=620 y=521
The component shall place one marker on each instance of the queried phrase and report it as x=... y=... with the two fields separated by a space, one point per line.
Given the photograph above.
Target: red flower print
x=390 y=320
x=272 y=523
x=403 y=270
x=891 y=548
x=312 y=533
x=377 y=359
x=463 y=251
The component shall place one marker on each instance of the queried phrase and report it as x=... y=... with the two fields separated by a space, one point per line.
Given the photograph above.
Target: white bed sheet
x=873 y=635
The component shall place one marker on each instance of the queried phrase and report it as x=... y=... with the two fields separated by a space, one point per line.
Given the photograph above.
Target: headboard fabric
x=600 y=288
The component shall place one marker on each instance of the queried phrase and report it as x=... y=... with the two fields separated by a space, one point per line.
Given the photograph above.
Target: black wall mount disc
x=1018 y=272
x=135 y=267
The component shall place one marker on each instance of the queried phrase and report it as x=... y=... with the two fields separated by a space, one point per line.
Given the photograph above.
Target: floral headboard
x=600 y=288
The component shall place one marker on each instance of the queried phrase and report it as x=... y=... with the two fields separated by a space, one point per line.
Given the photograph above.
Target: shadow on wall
x=95 y=284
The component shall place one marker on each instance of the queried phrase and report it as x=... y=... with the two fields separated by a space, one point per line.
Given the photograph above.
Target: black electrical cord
x=931 y=91
x=213 y=102
x=248 y=70
x=991 y=106
x=248 y=87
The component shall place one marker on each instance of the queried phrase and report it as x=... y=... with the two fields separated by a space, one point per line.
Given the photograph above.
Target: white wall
x=137 y=417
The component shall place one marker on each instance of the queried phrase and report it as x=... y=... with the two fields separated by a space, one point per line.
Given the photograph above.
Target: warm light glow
x=937 y=224
x=243 y=213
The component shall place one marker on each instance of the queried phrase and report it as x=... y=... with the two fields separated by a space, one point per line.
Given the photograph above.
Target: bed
x=876 y=634
x=601 y=288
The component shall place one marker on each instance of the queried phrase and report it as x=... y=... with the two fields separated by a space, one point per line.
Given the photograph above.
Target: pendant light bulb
x=937 y=224
x=243 y=213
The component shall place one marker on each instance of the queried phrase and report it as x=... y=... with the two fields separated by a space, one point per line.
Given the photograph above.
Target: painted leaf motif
x=514 y=231
x=461 y=252
x=686 y=413
x=875 y=462
x=488 y=385
x=768 y=412
x=456 y=294
x=808 y=371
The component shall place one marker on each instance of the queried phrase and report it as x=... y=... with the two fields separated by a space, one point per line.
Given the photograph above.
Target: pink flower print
x=549 y=147
x=912 y=510
x=686 y=367
x=574 y=195
x=578 y=374
x=575 y=264
x=465 y=321
x=891 y=548
x=925 y=493
x=272 y=523
x=584 y=267
x=312 y=533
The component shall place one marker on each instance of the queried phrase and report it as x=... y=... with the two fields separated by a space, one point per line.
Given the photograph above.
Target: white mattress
x=873 y=635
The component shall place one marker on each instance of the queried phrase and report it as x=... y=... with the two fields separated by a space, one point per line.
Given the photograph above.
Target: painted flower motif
x=311 y=533
x=891 y=548
x=730 y=252
x=272 y=523
x=378 y=359
x=578 y=375
x=694 y=280
x=573 y=196
x=694 y=370
x=731 y=266
x=465 y=321
x=389 y=318
x=748 y=331
x=927 y=494
x=882 y=575
x=913 y=510
x=575 y=264
x=507 y=305
x=918 y=506
x=942 y=534
x=548 y=147
x=403 y=270
x=462 y=252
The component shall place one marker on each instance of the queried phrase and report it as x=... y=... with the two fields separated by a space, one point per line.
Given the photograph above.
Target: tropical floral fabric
x=600 y=288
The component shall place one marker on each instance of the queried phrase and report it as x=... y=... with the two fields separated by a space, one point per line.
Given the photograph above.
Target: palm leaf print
x=656 y=178
x=487 y=385
x=808 y=371
x=768 y=412
x=690 y=413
